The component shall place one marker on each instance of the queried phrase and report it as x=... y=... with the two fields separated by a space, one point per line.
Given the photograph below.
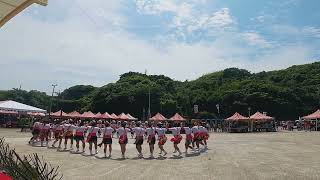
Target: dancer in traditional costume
x=197 y=138
x=139 y=132
x=176 y=138
x=68 y=134
x=123 y=138
x=35 y=132
x=204 y=135
x=189 y=137
x=92 y=137
x=44 y=133
x=58 y=134
x=162 y=139
x=79 y=136
x=151 y=135
x=107 y=139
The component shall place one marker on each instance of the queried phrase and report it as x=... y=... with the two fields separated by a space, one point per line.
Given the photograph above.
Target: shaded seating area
x=311 y=121
x=238 y=123
x=258 y=122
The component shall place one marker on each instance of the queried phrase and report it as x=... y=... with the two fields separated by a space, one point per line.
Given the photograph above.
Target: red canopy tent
x=98 y=115
x=158 y=117
x=123 y=116
x=74 y=114
x=105 y=116
x=237 y=117
x=35 y=114
x=59 y=114
x=314 y=116
x=131 y=117
x=114 y=116
x=88 y=115
x=259 y=117
x=177 y=117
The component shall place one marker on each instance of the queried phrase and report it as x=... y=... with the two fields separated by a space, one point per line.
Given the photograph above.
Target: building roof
x=19 y=107
x=10 y=8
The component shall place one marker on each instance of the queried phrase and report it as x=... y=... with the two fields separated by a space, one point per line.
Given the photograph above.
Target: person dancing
x=44 y=133
x=176 y=138
x=162 y=139
x=107 y=139
x=92 y=137
x=189 y=137
x=35 y=132
x=139 y=131
x=151 y=134
x=68 y=134
x=197 y=136
x=58 y=134
x=79 y=136
x=123 y=138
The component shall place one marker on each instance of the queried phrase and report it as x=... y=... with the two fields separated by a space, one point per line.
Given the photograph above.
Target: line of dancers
x=82 y=133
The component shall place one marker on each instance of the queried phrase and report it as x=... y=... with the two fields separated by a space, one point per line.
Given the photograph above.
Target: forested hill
x=284 y=94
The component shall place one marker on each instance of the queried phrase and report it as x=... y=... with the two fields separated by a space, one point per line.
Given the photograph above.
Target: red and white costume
x=204 y=132
x=188 y=132
x=123 y=138
x=176 y=135
x=151 y=133
x=161 y=135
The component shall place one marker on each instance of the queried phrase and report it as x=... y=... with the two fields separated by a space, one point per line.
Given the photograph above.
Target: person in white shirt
x=107 y=139
x=58 y=134
x=79 y=136
x=162 y=139
x=176 y=138
x=189 y=138
x=139 y=131
x=151 y=134
x=92 y=137
x=197 y=138
x=68 y=134
x=123 y=138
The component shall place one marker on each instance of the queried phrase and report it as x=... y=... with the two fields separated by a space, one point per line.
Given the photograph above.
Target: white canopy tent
x=10 y=8
x=19 y=107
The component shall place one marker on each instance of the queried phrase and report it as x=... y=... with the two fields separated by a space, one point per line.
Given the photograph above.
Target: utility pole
x=149 y=107
x=53 y=87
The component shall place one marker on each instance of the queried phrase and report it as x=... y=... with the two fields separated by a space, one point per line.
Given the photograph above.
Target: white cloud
x=36 y=53
x=187 y=18
x=254 y=39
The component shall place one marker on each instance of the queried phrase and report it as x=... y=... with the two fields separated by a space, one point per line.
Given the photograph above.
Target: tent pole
x=316 y=124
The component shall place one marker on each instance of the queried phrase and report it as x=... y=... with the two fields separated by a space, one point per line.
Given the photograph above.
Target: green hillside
x=284 y=94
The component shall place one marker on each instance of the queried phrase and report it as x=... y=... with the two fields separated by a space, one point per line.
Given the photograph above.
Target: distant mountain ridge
x=285 y=94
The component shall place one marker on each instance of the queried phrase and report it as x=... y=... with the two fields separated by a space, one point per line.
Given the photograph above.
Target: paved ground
x=282 y=155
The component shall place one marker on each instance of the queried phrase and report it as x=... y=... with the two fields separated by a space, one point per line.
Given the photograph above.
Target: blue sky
x=93 y=42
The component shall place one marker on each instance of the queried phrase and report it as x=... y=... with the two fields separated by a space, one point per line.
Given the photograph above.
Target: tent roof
x=315 y=115
x=114 y=116
x=105 y=116
x=131 y=117
x=158 y=117
x=74 y=114
x=58 y=114
x=237 y=117
x=88 y=114
x=10 y=8
x=8 y=112
x=16 y=106
x=123 y=116
x=177 y=117
x=260 y=116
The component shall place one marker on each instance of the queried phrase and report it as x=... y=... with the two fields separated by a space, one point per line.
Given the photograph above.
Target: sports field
x=282 y=155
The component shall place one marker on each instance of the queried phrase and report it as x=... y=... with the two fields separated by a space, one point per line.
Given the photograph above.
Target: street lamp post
x=53 y=87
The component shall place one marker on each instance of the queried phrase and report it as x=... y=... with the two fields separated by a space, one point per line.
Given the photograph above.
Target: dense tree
x=285 y=94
